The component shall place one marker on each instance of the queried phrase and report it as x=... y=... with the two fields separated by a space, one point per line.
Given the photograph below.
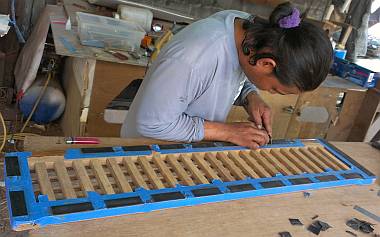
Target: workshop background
x=57 y=82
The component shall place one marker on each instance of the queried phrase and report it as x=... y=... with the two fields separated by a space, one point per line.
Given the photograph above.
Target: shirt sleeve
x=247 y=88
x=165 y=98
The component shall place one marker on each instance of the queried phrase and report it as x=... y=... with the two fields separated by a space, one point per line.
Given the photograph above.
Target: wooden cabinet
x=90 y=86
x=327 y=112
x=367 y=123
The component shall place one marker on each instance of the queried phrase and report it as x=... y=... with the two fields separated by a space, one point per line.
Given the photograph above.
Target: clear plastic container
x=107 y=32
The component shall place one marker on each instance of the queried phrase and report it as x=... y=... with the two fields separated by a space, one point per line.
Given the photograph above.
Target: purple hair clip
x=290 y=21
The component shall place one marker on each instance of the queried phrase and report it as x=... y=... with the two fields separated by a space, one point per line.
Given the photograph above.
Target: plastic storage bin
x=107 y=32
x=355 y=73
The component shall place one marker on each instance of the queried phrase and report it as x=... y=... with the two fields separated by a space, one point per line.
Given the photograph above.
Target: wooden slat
x=297 y=162
x=196 y=173
x=134 y=172
x=43 y=180
x=260 y=170
x=210 y=174
x=230 y=165
x=275 y=162
x=314 y=159
x=64 y=179
x=333 y=158
x=223 y=172
x=305 y=160
x=101 y=176
x=118 y=175
x=84 y=180
x=180 y=171
x=328 y=162
x=286 y=161
x=264 y=163
x=150 y=172
x=242 y=165
x=164 y=170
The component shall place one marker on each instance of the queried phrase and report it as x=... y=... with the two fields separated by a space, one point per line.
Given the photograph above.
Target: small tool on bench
x=116 y=54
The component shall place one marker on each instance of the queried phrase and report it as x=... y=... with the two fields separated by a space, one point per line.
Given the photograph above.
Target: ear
x=267 y=65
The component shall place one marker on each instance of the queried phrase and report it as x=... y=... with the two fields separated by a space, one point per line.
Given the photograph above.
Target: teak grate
x=89 y=181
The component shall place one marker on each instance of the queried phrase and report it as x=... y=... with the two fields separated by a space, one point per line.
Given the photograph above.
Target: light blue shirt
x=196 y=77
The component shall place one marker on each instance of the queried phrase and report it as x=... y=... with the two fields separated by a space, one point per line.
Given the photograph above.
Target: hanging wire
x=20 y=37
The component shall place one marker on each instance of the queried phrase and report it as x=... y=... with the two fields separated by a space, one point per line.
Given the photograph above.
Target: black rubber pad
x=240 y=188
x=272 y=184
x=72 y=208
x=203 y=145
x=123 y=202
x=18 y=203
x=205 y=192
x=136 y=148
x=352 y=176
x=327 y=178
x=167 y=196
x=12 y=166
x=226 y=144
x=171 y=147
x=299 y=181
x=93 y=150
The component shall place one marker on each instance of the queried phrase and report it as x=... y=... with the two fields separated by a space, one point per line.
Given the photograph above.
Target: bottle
x=51 y=105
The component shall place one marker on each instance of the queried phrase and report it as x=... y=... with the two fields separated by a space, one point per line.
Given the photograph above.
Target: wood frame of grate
x=93 y=183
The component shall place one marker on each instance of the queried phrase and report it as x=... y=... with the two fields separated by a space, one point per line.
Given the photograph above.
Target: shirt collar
x=230 y=26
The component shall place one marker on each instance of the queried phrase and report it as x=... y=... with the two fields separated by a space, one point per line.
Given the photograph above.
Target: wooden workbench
x=91 y=78
x=262 y=216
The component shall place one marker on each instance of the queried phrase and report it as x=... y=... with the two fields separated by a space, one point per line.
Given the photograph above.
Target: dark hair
x=303 y=54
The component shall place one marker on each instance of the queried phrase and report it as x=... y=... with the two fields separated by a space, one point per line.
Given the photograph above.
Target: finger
x=257 y=119
x=261 y=140
x=252 y=124
x=264 y=136
x=267 y=120
x=259 y=132
x=253 y=146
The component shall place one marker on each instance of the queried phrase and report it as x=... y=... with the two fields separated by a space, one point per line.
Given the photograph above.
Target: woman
x=220 y=61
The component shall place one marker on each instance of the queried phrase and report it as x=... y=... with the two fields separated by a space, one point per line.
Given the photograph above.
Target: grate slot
x=144 y=162
x=196 y=173
x=235 y=171
x=217 y=165
x=286 y=161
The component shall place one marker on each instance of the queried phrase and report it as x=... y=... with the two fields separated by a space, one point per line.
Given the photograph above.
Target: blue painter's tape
x=71 y=154
x=68 y=45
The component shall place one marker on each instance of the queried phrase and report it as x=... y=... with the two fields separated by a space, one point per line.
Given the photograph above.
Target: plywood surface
x=263 y=216
x=43 y=145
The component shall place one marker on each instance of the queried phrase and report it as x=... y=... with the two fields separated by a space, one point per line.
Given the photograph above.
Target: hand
x=246 y=134
x=259 y=112
x=243 y=134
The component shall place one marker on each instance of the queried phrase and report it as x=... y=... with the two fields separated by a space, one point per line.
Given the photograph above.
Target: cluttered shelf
x=67 y=43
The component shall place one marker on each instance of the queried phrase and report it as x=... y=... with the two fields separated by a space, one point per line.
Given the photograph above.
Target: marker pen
x=82 y=140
